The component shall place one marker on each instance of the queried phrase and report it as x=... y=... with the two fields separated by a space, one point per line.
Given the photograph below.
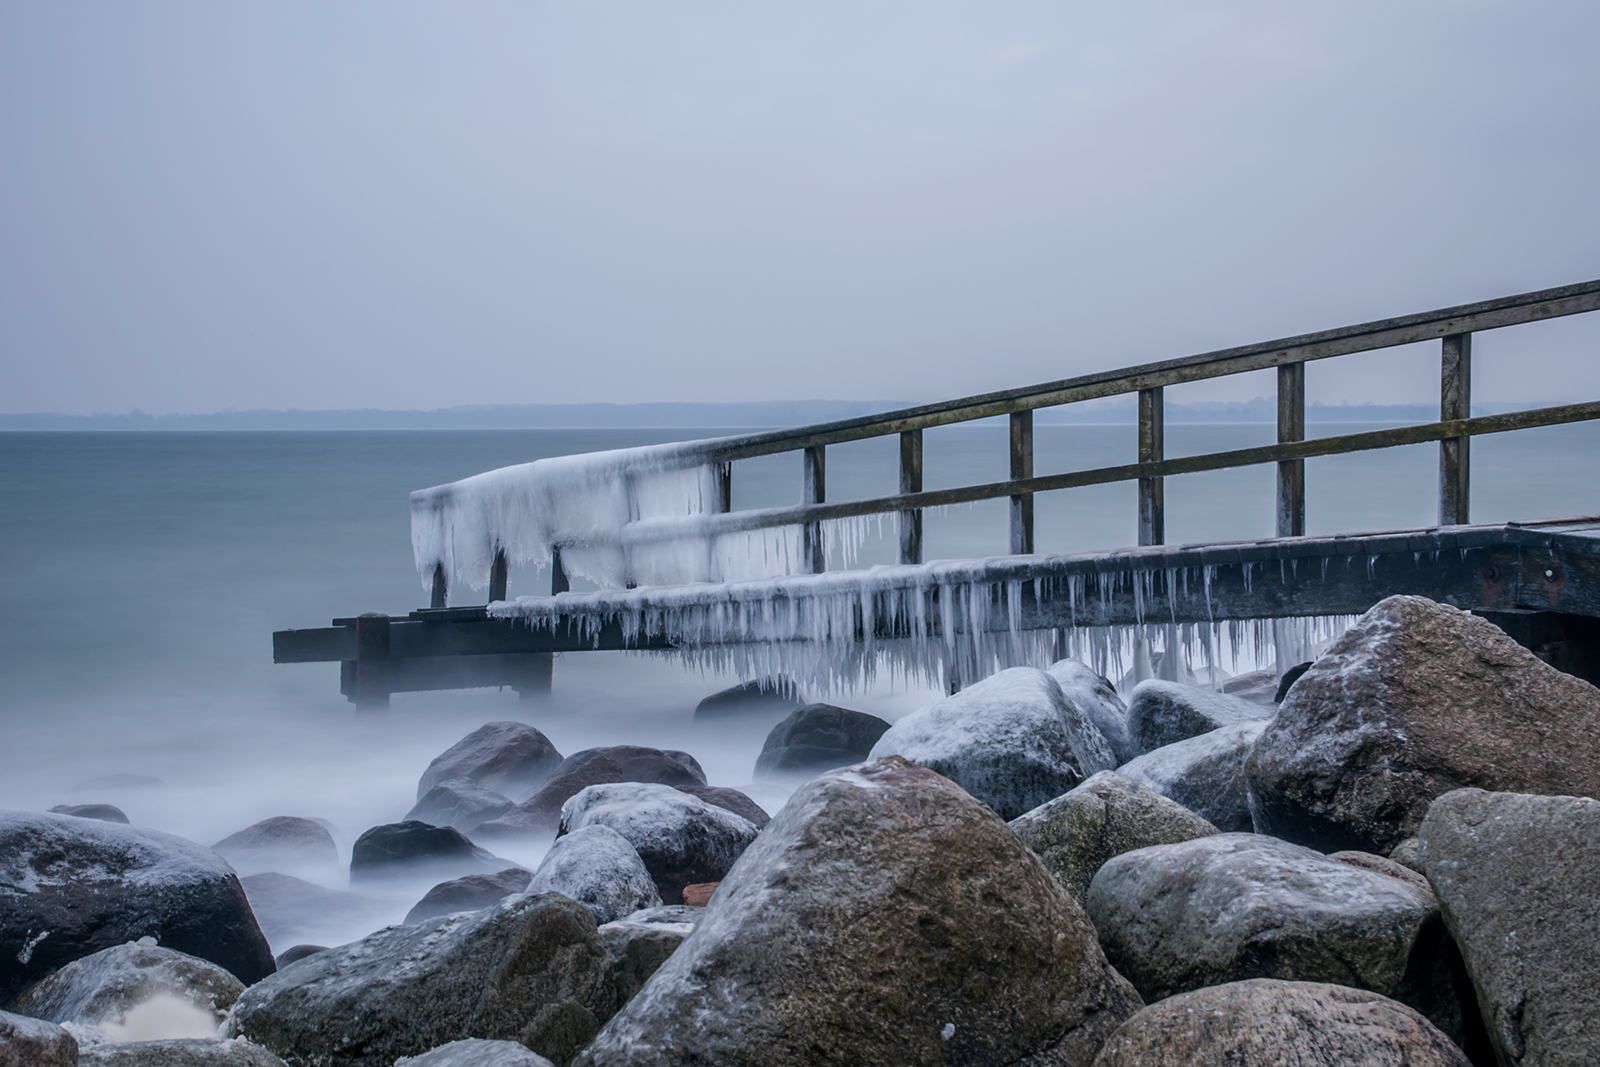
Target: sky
x=417 y=205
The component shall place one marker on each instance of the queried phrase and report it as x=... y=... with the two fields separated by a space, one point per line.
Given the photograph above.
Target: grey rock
x=883 y=917
x=1258 y=687
x=510 y=758
x=763 y=696
x=1383 y=865
x=1162 y=713
x=1011 y=740
x=730 y=799
x=1204 y=774
x=641 y=943
x=682 y=839
x=597 y=867
x=818 y=737
x=471 y=893
x=1094 y=696
x=531 y=969
x=1267 y=1023
x=461 y=803
x=1414 y=700
x=290 y=908
x=1110 y=814
x=540 y=814
x=1408 y=853
x=70 y=887
x=639 y=763
x=475 y=1052
x=26 y=1042
x=279 y=843
x=102 y=989
x=668 y=913
x=185 y=1052
x=1515 y=877
x=415 y=848
x=103 y=812
x=296 y=953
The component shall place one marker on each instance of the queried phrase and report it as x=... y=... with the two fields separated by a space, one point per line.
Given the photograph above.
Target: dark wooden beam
x=499 y=574
x=1455 y=403
x=1152 y=449
x=911 y=482
x=440 y=597
x=814 y=490
x=1291 y=472
x=1021 y=471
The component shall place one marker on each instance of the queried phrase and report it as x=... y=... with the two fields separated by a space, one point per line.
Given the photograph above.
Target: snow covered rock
x=471 y=893
x=459 y=802
x=70 y=887
x=183 y=1052
x=531 y=969
x=1011 y=740
x=681 y=838
x=1164 y=713
x=884 y=917
x=640 y=943
x=137 y=987
x=731 y=799
x=819 y=737
x=290 y=909
x=417 y=849
x=597 y=867
x=1414 y=700
x=1515 y=876
x=476 y=1052
x=510 y=758
x=281 y=843
x=26 y=1042
x=1093 y=695
x=765 y=696
x=1267 y=1023
x=1205 y=774
x=1109 y=814
x=103 y=812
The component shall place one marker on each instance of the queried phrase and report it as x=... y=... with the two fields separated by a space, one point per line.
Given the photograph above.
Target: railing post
x=1291 y=472
x=813 y=490
x=559 y=582
x=911 y=482
x=1455 y=402
x=1152 y=504
x=721 y=488
x=1021 y=467
x=498 y=573
x=441 y=588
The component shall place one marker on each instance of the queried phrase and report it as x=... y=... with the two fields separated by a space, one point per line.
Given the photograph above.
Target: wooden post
x=1455 y=402
x=372 y=657
x=559 y=582
x=498 y=573
x=1021 y=467
x=911 y=482
x=1152 y=432
x=722 y=488
x=813 y=490
x=1292 y=472
x=441 y=588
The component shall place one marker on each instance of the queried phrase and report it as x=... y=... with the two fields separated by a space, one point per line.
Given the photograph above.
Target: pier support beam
x=813 y=490
x=1021 y=467
x=911 y=482
x=1152 y=447
x=1455 y=402
x=370 y=688
x=499 y=574
x=441 y=588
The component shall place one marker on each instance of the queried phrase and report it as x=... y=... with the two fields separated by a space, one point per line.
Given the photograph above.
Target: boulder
x=1515 y=877
x=291 y=909
x=296 y=953
x=184 y=1052
x=1011 y=740
x=70 y=887
x=1268 y=1023
x=26 y=1042
x=471 y=893
x=1205 y=774
x=640 y=943
x=417 y=849
x=103 y=812
x=530 y=969
x=884 y=917
x=639 y=763
x=1094 y=696
x=1408 y=853
x=282 y=842
x=681 y=838
x=135 y=987
x=1109 y=814
x=763 y=696
x=597 y=867
x=730 y=799
x=461 y=803
x=540 y=814
x=476 y=1052
x=818 y=737
x=1258 y=687
x=1162 y=713
x=507 y=757
x=1414 y=700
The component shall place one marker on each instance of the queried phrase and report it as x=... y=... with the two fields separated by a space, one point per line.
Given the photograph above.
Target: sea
x=145 y=571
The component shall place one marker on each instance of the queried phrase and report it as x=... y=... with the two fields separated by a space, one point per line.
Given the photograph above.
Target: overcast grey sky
x=401 y=205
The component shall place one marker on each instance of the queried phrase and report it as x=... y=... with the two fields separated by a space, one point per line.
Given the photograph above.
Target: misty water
x=145 y=573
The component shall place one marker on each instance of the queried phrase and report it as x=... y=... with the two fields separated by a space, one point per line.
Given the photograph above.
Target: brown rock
x=699 y=896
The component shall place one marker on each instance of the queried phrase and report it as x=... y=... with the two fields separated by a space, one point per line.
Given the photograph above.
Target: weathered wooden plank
x=814 y=490
x=911 y=482
x=1291 y=502
x=1021 y=471
x=318 y=645
x=1455 y=402
x=371 y=688
x=1152 y=449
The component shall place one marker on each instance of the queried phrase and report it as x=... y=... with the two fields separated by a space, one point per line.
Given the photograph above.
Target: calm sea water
x=145 y=573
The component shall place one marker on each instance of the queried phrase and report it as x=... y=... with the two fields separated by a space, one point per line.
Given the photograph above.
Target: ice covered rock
x=1109 y=814
x=639 y=763
x=459 y=802
x=417 y=849
x=283 y=842
x=1414 y=700
x=1093 y=695
x=1011 y=740
x=681 y=838
x=138 y=986
x=1268 y=1023
x=290 y=908
x=469 y=894
x=540 y=814
x=597 y=867
x=1515 y=876
x=182 y=1052
x=731 y=799
x=103 y=812
x=476 y=1052
x=884 y=917
x=640 y=943
x=1163 y=713
x=819 y=737
x=26 y=1042
x=70 y=887
x=1204 y=774
x=530 y=969
x=765 y=696
x=510 y=758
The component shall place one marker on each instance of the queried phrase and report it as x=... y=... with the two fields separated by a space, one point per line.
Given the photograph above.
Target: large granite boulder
x=470 y=893
x=26 y=1042
x=1011 y=740
x=1109 y=814
x=597 y=867
x=292 y=909
x=179 y=1052
x=1515 y=876
x=1205 y=774
x=461 y=803
x=818 y=737
x=764 y=696
x=415 y=849
x=883 y=917
x=1094 y=695
x=103 y=812
x=682 y=839
x=540 y=814
x=510 y=758
x=1268 y=1023
x=1163 y=713
x=281 y=843
x=731 y=799
x=114 y=987
x=476 y=1052
x=1414 y=700
x=531 y=969
x=70 y=887
x=640 y=943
